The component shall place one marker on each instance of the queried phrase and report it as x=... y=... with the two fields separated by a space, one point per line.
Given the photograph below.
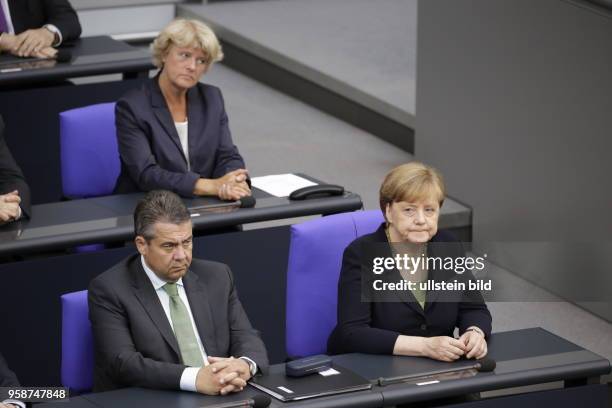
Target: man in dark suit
x=162 y=321
x=8 y=379
x=30 y=28
x=14 y=191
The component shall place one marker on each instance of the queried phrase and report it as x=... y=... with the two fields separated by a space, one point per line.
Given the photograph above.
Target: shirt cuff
x=55 y=30
x=14 y=402
x=252 y=365
x=188 y=379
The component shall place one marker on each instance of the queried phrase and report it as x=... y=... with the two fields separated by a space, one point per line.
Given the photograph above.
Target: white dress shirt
x=182 y=130
x=188 y=378
x=14 y=402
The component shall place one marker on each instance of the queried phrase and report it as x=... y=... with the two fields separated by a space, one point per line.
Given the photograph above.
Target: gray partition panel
x=514 y=104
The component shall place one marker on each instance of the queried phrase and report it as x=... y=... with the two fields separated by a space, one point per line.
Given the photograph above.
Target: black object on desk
x=244 y=202
x=318 y=191
x=457 y=369
x=307 y=365
x=335 y=380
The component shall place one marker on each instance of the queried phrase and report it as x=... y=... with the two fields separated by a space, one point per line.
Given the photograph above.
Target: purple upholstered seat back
x=89 y=153
x=315 y=258
x=77 y=343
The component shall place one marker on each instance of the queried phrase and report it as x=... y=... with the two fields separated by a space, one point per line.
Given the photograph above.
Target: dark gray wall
x=514 y=105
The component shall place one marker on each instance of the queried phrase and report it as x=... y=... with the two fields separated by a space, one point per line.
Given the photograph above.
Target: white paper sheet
x=280 y=185
x=328 y=372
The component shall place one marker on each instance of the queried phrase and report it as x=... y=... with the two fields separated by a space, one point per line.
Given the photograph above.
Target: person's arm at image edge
x=11 y=176
x=62 y=17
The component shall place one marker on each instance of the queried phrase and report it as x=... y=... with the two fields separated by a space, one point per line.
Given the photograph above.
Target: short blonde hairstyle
x=411 y=182
x=187 y=34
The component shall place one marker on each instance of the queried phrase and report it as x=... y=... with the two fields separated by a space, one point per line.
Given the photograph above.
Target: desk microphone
x=258 y=401
x=63 y=56
x=244 y=202
x=247 y=202
x=484 y=365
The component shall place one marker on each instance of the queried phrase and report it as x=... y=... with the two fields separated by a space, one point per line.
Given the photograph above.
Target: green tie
x=183 y=329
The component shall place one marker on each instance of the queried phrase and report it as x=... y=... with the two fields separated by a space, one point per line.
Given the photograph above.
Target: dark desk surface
x=90 y=56
x=524 y=357
x=74 y=402
x=528 y=356
x=105 y=219
x=135 y=397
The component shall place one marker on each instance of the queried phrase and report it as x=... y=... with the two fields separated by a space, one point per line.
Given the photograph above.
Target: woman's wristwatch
x=475 y=329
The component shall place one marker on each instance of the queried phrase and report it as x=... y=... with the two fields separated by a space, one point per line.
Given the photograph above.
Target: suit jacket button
x=423 y=326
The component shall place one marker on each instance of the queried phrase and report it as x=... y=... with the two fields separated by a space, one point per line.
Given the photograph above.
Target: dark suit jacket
x=27 y=14
x=151 y=153
x=7 y=377
x=11 y=176
x=134 y=342
x=374 y=327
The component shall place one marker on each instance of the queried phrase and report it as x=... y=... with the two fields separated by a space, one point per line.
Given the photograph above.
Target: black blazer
x=7 y=377
x=374 y=327
x=27 y=14
x=151 y=153
x=134 y=342
x=11 y=176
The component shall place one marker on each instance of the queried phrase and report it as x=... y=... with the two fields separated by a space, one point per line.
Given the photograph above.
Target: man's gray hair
x=158 y=206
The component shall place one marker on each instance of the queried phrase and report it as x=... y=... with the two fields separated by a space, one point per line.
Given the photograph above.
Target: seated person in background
x=410 y=197
x=161 y=321
x=14 y=191
x=8 y=379
x=31 y=28
x=173 y=133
